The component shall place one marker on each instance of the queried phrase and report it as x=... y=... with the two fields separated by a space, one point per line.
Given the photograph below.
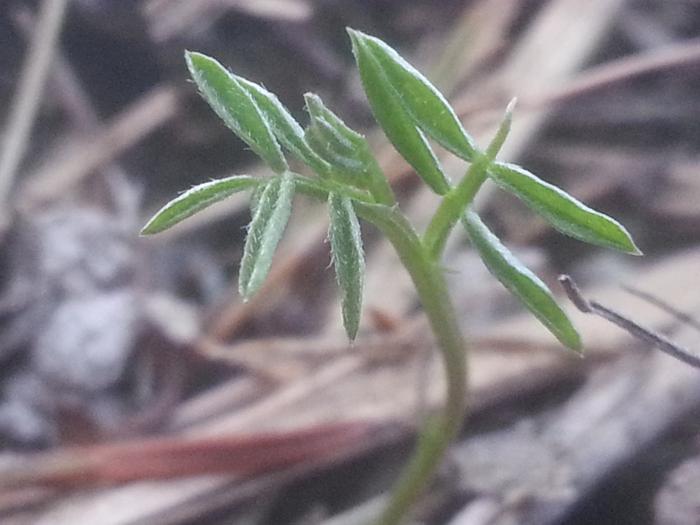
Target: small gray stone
x=87 y=340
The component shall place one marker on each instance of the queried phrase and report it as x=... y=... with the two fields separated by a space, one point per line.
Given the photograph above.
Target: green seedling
x=411 y=111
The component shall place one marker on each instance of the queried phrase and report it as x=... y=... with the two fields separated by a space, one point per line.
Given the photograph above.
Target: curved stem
x=440 y=430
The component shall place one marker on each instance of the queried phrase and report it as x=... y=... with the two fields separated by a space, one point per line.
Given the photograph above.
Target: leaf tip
x=194 y=59
x=635 y=251
x=312 y=100
x=351 y=329
x=151 y=227
x=356 y=39
x=503 y=129
x=243 y=292
x=627 y=244
x=510 y=108
x=574 y=343
x=363 y=38
x=508 y=115
x=354 y=33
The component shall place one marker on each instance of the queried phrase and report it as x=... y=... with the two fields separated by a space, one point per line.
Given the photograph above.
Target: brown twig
x=634 y=329
x=78 y=160
x=28 y=93
x=596 y=78
x=683 y=54
x=171 y=18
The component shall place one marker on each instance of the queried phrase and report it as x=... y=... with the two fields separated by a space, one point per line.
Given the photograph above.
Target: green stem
x=456 y=201
x=453 y=205
x=422 y=260
x=380 y=188
x=421 y=257
x=320 y=188
x=430 y=283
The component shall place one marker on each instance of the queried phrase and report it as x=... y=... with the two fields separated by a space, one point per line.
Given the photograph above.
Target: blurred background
x=136 y=387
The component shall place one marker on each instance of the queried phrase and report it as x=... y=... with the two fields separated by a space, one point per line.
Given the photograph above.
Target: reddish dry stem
x=162 y=458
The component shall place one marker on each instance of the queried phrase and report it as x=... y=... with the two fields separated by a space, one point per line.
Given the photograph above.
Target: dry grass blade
x=28 y=93
x=673 y=56
x=164 y=458
x=77 y=160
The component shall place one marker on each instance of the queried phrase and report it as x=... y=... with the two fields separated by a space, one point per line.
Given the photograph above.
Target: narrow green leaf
x=287 y=130
x=236 y=107
x=348 y=259
x=264 y=233
x=321 y=138
x=340 y=137
x=520 y=281
x=426 y=105
x=395 y=120
x=196 y=199
x=564 y=212
x=346 y=149
x=350 y=164
x=255 y=197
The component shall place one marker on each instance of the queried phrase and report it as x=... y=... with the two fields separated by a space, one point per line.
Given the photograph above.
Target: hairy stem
x=440 y=430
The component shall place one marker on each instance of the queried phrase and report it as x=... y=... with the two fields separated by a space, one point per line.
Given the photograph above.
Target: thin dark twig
x=663 y=305
x=659 y=341
x=574 y=294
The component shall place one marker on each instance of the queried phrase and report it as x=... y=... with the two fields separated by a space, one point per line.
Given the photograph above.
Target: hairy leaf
x=287 y=130
x=255 y=197
x=339 y=137
x=346 y=149
x=264 y=233
x=564 y=212
x=236 y=107
x=196 y=199
x=520 y=281
x=348 y=259
x=425 y=104
x=321 y=137
x=395 y=120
